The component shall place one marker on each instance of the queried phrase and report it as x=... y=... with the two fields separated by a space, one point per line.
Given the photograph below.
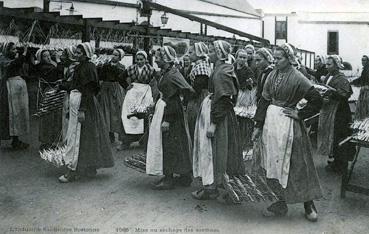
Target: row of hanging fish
x=245 y=111
x=361 y=130
x=137 y=162
x=55 y=156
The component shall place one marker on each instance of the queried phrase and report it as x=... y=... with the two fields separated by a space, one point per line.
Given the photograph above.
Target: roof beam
x=204 y=21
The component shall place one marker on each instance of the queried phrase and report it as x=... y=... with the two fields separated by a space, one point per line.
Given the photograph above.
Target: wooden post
x=86 y=33
x=46 y=5
x=147 y=40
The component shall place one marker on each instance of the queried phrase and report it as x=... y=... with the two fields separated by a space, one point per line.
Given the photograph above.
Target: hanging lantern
x=164 y=18
x=71 y=10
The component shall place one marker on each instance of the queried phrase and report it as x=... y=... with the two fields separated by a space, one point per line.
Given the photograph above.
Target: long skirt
x=95 y=150
x=50 y=126
x=177 y=148
x=18 y=106
x=326 y=128
x=227 y=153
x=111 y=101
x=303 y=182
x=193 y=109
x=362 y=107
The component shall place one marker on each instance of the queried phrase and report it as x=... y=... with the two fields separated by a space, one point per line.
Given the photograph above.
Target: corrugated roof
x=237 y=5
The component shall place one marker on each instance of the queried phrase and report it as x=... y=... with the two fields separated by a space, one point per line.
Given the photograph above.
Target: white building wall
x=309 y=31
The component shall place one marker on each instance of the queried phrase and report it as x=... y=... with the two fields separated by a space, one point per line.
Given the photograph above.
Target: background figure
x=335 y=118
x=250 y=50
x=362 y=107
x=223 y=130
x=142 y=74
x=112 y=94
x=14 y=112
x=246 y=96
x=199 y=78
x=176 y=142
x=49 y=73
x=186 y=68
x=320 y=68
x=94 y=147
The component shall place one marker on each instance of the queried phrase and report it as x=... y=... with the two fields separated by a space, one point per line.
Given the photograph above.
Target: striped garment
x=143 y=78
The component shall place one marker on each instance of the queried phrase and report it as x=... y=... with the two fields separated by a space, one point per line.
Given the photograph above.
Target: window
x=332 y=47
x=281 y=30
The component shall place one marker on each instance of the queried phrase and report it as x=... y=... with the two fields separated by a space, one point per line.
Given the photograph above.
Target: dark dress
x=362 y=107
x=176 y=142
x=253 y=67
x=50 y=125
x=303 y=183
x=95 y=151
x=9 y=68
x=246 y=97
x=199 y=79
x=185 y=71
x=261 y=81
x=227 y=153
x=111 y=95
x=318 y=73
x=335 y=119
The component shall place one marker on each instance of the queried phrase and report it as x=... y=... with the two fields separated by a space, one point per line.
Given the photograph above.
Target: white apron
x=202 y=148
x=277 y=139
x=154 y=154
x=18 y=106
x=73 y=132
x=139 y=94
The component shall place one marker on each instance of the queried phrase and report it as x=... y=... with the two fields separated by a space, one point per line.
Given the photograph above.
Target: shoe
x=90 y=172
x=111 y=137
x=183 y=180
x=205 y=194
x=165 y=184
x=70 y=176
x=277 y=209
x=311 y=213
x=19 y=145
x=122 y=147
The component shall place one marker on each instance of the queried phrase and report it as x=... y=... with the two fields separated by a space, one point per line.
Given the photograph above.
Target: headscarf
x=290 y=53
x=249 y=46
x=239 y=51
x=223 y=50
x=121 y=53
x=39 y=55
x=70 y=52
x=322 y=59
x=89 y=50
x=201 y=50
x=6 y=48
x=143 y=53
x=267 y=55
x=168 y=54
x=337 y=60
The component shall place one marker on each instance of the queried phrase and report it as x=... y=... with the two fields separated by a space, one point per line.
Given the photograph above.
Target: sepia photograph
x=184 y=116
